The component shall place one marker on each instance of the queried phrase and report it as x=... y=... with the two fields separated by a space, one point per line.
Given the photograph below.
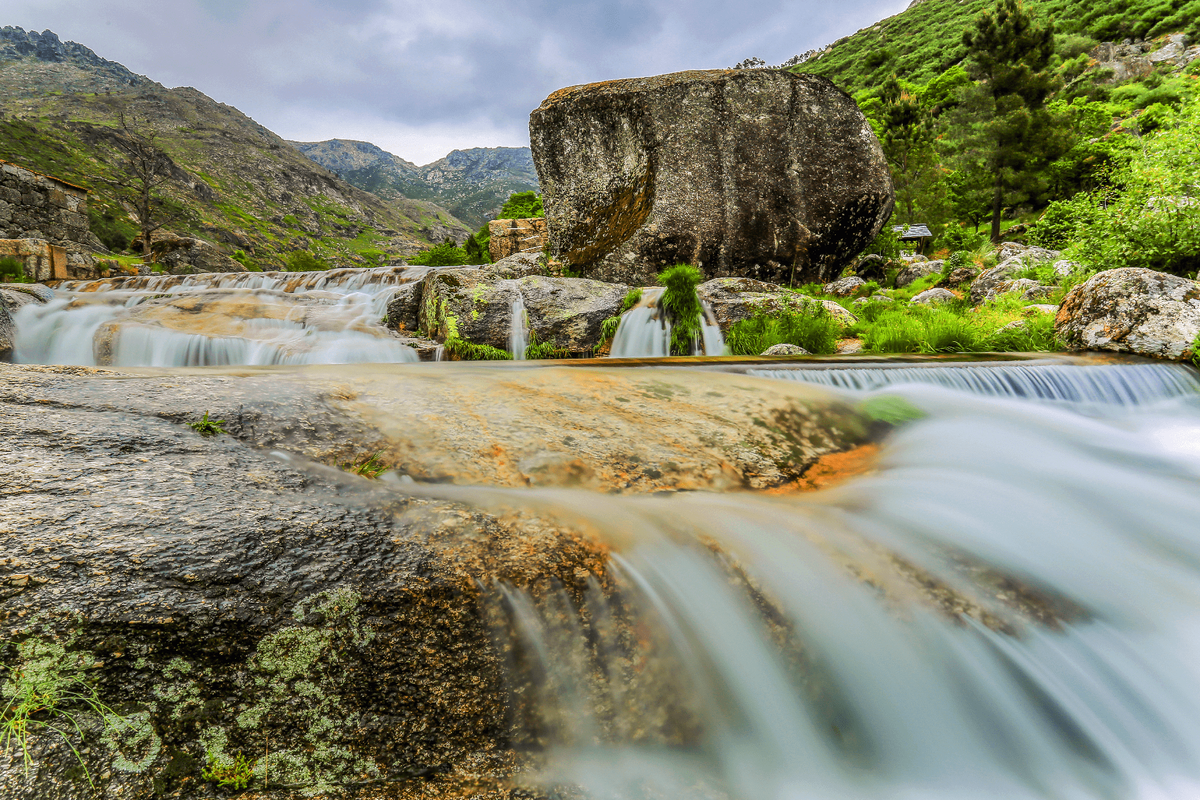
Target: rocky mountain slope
x=471 y=184
x=235 y=182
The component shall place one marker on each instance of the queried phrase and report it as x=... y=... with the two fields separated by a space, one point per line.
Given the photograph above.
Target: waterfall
x=1007 y=607
x=1120 y=384
x=518 y=331
x=217 y=319
x=644 y=333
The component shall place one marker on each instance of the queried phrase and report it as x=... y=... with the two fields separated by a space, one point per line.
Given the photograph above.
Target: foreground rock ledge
x=226 y=600
x=755 y=173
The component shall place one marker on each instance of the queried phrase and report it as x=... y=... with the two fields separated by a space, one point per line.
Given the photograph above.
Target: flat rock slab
x=758 y=173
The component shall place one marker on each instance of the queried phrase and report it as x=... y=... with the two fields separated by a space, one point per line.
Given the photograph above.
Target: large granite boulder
x=1133 y=311
x=225 y=600
x=569 y=312
x=757 y=173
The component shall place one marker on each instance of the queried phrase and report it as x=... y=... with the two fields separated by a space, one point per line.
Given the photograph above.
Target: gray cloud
x=420 y=78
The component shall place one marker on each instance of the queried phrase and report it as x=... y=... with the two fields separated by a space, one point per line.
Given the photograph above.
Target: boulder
x=1028 y=288
x=959 y=276
x=1029 y=253
x=1063 y=268
x=985 y=285
x=404 y=307
x=785 y=349
x=935 y=295
x=235 y=594
x=468 y=303
x=569 y=312
x=1039 y=308
x=1133 y=311
x=917 y=270
x=732 y=300
x=844 y=287
x=518 y=265
x=179 y=255
x=872 y=267
x=729 y=170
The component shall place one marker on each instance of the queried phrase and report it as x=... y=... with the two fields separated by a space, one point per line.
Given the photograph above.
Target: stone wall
x=47 y=262
x=37 y=206
x=511 y=236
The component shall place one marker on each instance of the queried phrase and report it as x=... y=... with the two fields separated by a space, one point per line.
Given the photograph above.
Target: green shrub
x=446 y=254
x=522 y=205
x=245 y=260
x=469 y=351
x=681 y=306
x=12 y=270
x=304 y=261
x=632 y=298
x=815 y=329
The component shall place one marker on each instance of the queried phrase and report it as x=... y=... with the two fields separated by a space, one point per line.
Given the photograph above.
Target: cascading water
x=644 y=333
x=219 y=319
x=518 y=334
x=1008 y=606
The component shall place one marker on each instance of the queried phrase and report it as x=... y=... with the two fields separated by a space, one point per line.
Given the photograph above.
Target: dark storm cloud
x=421 y=78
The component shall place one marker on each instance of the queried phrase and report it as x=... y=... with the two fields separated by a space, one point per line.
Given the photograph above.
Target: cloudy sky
x=422 y=78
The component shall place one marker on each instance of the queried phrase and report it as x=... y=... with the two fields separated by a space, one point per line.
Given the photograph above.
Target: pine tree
x=1012 y=134
x=907 y=138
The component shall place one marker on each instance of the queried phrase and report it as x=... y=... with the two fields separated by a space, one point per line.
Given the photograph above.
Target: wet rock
x=569 y=312
x=844 y=287
x=404 y=307
x=1134 y=311
x=935 y=295
x=223 y=600
x=785 y=349
x=735 y=299
x=916 y=271
x=730 y=170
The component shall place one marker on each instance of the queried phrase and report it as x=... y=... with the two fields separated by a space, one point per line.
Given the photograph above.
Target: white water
x=1059 y=659
x=644 y=333
x=518 y=334
x=220 y=319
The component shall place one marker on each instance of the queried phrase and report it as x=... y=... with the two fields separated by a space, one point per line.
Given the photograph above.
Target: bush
x=522 y=205
x=814 y=329
x=245 y=260
x=113 y=233
x=681 y=306
x=462 y=350
x=12 y=270
x=303 y=261
x=446 y=254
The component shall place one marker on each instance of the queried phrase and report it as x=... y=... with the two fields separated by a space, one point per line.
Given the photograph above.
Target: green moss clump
x=463 y=350
x=681 y=306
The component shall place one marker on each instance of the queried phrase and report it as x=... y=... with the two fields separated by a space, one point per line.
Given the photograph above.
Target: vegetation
x=208 y=427
x=143 y=171
x=814 y=329
x=303 y=261
x=681 y=306
x=462 y=350
x=446 y=254
x=235 y=773
x=370 y=467
x=12 y=270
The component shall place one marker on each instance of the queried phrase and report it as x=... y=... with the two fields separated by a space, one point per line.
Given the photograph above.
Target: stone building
x=44 y=222
x=510 y=236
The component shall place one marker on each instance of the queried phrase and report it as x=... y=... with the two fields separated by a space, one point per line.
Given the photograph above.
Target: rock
x=180 y=255
x=1172 y=50
x=404 y=307
x=785 y=349
x=871 y=267
x=1063 y=268
x=1029 y=289
x=221 y=597
x=518 y=265
x=914 y=258
x=729 y=170
x=959 y=276
x=985 y=285
x=1037 y=291
x=8 y=332
x=1133 y=311
x=848 y=347
x=735 y=299
x=844 y=287
x=935 y=296
x=1015 y=325
x=916 y=271
x=875 y=298
x=1039 y=308
x=569 y=312
x=512 y=236
x=1030 y=254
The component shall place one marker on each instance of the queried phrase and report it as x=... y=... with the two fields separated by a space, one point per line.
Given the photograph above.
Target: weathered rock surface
x=181 y=255
x=916 y=271
x=985 y=285
x=785 y=349
x=935 y=295
x=844 y=287
x=735 y=299
x=223 y=600
x=959 y=276
x=569 y=312
x=1028 y=288
x=730 y=170
x=1134 y=311
x=511 y=236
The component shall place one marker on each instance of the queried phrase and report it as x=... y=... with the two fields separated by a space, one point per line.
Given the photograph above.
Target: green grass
x=815 y=330
x=208 y=427
x=681 y=306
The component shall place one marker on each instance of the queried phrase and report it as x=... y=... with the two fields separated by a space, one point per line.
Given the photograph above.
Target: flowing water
x=518 y=334
x=645 y=333
x=1008 y=606
x=217 y=319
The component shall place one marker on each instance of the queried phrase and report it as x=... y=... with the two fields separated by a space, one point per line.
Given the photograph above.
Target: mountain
x=235 y=183
x=473 y=184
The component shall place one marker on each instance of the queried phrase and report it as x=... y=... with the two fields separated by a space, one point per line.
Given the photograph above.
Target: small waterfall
x=1106 y=384
x=1007 y=607
x=518 y=332
x=644 y=333
x=217 y=319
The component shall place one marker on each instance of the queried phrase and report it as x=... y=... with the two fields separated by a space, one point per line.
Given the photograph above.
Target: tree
x=144 y=169
x=1010 y=131
x=907 y=140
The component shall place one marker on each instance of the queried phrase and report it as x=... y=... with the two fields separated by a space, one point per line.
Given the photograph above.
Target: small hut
x=918 y=235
